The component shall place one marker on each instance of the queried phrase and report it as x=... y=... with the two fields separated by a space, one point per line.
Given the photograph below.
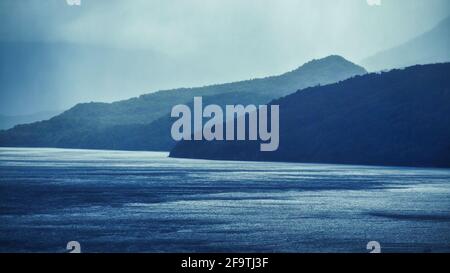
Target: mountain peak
x=332 y=64
x=330 y=60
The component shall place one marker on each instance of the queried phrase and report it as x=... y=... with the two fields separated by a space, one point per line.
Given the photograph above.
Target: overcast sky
x=227 y=39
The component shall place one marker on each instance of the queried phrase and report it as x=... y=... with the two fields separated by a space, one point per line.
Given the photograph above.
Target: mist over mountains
x=143 y=123
x=38 y=76
x=432 y=46
x=380 y=119
x=54 y=55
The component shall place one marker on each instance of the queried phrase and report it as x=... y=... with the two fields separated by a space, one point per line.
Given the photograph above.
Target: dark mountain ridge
x=396 y=118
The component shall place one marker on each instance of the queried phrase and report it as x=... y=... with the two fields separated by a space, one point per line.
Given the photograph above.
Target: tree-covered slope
x=401 y=117
x=129 y=124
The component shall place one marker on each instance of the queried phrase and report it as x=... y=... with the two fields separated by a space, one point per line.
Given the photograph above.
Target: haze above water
x=147 y=202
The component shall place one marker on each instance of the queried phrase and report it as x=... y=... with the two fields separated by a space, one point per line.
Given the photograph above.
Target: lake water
x=112 y=201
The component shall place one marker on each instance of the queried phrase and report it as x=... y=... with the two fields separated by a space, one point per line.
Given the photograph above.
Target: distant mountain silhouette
x=401 y=117
x=144 y=123
x=430 y=47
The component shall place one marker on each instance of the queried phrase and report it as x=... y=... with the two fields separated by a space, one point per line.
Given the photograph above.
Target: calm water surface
x=114 y=201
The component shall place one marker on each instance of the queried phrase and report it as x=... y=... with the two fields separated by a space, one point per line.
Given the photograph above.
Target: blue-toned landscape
x=114 y=201
x=144 y=126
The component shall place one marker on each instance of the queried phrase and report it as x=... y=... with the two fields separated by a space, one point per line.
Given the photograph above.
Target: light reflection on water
x=146 y=202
